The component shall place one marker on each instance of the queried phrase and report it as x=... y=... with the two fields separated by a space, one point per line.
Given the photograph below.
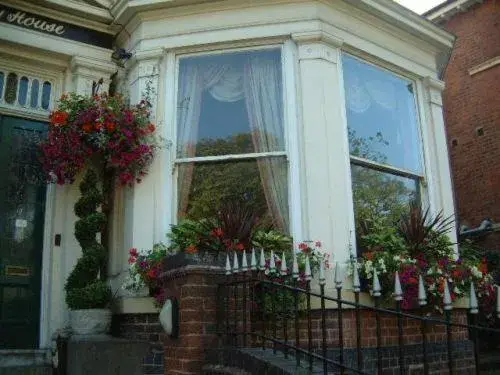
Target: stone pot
x=204 y=258
x=90 y=321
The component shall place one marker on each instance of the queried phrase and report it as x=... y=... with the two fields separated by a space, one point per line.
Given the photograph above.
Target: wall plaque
x=51 y=26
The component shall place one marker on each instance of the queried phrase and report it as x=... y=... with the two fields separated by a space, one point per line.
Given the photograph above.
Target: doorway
x=22 y=209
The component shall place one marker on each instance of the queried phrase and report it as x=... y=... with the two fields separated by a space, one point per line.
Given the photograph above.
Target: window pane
x=35 y=87
x=23 y=91
x=230 y=104
x=203 y=188
x=11 y=88
x=381 y=116
x=46 y=95
x=380 y=196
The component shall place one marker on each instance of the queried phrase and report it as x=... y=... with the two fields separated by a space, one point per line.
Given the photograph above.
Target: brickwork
x=195 y=287
x=143 y=327
x=472 y=107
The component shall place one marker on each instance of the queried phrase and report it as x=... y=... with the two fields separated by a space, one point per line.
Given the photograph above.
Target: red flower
x=218 y=232
x=303 y=246
x=151 y=128
x=87 y=128
x=412 y=281
x=240 y=247
x=110 y=126
x=191 y=249
x=368 y=255
x=133 y=252
x=59 y=118
x=98 y=126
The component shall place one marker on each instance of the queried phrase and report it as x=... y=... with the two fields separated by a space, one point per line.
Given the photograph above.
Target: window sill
x=134 y=305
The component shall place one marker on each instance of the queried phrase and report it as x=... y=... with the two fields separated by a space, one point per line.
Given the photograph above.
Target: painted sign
x=54 y=27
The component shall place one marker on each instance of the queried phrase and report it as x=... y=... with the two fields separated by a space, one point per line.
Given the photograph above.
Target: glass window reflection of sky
x=381 y=116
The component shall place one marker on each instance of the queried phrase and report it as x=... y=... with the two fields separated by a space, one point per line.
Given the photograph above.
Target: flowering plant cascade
x=145 y=268
x=99 y=128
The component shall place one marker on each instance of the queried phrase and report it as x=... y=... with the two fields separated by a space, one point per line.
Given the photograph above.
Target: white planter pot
x=90 y=321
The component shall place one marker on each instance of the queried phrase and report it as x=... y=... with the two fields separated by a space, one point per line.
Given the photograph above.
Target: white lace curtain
x=258 y=82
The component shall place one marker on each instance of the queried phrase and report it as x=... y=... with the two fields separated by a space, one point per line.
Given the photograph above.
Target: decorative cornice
x=92 y=65
x=318 y=36
x=318 y=45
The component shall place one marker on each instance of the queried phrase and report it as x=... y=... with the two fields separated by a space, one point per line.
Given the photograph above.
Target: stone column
x=440 y=186
x=328 y=211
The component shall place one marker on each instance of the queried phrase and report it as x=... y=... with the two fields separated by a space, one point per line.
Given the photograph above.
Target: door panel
x=22 y=207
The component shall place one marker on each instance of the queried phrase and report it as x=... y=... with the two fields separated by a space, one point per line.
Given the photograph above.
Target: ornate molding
x=85 y=71
x=314 y=45
x=145 y=64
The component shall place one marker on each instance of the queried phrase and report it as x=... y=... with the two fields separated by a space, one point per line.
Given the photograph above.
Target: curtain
x=193 y=80
x=263 y=94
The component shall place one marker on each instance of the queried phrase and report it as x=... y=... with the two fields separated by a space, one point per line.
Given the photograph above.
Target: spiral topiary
x=84 y=288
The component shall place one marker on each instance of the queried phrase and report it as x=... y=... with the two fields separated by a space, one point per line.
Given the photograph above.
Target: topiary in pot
x=87 y=295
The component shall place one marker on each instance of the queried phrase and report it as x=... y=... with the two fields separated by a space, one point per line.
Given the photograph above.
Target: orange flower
x=191 y=249
x=217 y=232
x=98 y=126
x=87 y=128
x=110 y=126
x=240 y=247
x=59 y=118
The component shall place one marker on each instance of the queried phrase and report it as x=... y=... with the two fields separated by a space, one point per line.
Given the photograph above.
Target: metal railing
x=256 y=311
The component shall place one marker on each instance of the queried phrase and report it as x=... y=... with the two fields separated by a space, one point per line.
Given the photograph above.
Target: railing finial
x=322 y=280
x=284 y=268
x=447 y=296
x=356 y=284
x=228 y=265
x=338 y=276
x=398 y=291
x=473 y=305
x=244 y=261
x=253 y=261
x=262 y=265
x=295 y=267
x=308 y=269
x=376 y=289
x=236 y=266
x=272 y=263
x=422 y=295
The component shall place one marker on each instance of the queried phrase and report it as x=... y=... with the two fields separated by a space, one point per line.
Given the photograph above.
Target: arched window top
x=46 y=90
x=25 y=92
x=11 y=88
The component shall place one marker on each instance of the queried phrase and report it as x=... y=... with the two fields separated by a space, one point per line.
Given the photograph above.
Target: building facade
x=322 y=108
x=472 y=110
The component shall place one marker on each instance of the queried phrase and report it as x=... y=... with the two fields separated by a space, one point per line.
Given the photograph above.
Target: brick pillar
x=195 y=287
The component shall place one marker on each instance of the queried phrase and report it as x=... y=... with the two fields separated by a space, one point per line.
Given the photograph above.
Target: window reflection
x=35 y=87
x=46 y=88
x=23 y=91
x=381 y=115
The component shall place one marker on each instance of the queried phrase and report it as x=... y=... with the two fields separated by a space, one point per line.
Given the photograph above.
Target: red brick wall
x=472 y=102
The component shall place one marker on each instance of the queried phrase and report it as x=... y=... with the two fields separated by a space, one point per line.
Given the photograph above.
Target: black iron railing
x=277 y=314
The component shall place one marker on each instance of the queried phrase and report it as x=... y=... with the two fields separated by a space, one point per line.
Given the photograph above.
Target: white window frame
x=289 y=67
x=424 y=185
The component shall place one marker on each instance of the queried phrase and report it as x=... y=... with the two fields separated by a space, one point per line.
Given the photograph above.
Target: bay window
x=384 y=143
x=230 y=136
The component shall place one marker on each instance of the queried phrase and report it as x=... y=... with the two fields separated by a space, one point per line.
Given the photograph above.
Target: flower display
x=435 y=272
x=99 y=128
x=145 y=269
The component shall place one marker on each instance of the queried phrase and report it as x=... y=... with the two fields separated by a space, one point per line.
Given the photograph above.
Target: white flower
x=475 y=272
x=397 y=258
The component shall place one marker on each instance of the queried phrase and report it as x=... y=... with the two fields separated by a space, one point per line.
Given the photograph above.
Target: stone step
x=26 y=370
x=23 y=358
x=223 y=370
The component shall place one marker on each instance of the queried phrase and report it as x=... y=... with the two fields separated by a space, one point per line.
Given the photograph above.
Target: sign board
x=54 y=27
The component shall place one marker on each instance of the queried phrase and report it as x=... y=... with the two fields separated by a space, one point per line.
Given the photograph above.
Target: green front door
x=22 y=205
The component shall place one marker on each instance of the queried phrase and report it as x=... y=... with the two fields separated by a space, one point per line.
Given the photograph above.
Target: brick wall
x=472 y=103
x=143 y=327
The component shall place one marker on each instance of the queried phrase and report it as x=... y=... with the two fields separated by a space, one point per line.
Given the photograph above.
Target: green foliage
x=84 y=289
x=95 y=295
x=272 y=240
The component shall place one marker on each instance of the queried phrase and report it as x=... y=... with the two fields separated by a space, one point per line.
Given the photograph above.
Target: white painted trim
x=46 y=271
x=485 y=66
x=385 y=167
x=449 y=10
x=256 y=155
x=292 y=120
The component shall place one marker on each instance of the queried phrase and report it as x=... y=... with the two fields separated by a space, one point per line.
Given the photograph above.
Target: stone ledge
x=134 y=305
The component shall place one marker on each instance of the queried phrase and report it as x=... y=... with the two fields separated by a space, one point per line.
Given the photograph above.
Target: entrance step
x=25 y=362
x=26 y=370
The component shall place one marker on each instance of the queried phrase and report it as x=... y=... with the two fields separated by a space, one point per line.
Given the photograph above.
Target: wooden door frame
x=44 y=339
